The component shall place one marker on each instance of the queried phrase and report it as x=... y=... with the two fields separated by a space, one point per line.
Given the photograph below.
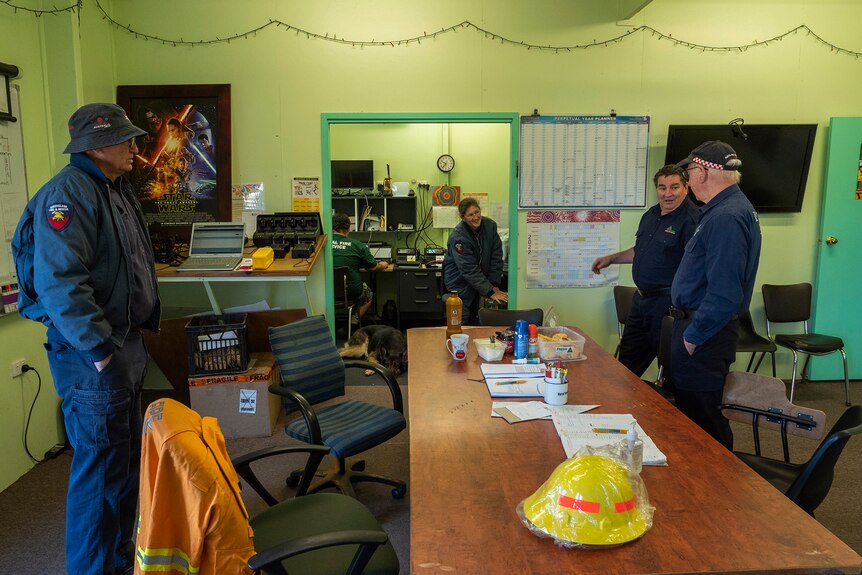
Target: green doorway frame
x=328 y=120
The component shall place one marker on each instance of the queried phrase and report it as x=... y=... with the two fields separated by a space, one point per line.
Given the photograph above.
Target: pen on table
x=608 y=430
x=512 y=382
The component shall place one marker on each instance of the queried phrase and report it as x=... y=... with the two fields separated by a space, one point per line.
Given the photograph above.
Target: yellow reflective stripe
x=163 y=560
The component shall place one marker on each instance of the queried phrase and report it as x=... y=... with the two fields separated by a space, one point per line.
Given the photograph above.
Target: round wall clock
x=445 y=163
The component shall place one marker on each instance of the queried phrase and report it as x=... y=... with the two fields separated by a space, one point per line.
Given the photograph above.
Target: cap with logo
x=589 y=500
x=98 y=126
x=715 y=155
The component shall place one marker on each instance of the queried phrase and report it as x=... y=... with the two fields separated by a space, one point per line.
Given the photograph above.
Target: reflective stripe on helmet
x=579 y=504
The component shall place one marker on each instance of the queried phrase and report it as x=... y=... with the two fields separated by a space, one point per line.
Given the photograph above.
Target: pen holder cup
x=556 y=391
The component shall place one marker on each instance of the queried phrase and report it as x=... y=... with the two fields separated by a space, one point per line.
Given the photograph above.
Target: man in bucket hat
x=712 y=286
x=85 y=270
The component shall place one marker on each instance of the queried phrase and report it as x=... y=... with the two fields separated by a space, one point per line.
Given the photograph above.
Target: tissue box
x=564 y=343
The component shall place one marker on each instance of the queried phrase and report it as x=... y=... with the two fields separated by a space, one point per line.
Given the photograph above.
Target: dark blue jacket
x=71 y=255
x=474 y=261
x=660 y=244
x=716 y=276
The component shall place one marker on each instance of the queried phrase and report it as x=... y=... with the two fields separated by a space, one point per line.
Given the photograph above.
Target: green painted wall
x=282 y=81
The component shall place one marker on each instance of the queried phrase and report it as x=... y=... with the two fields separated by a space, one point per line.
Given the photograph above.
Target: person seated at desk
x=473 y=263
x=354 y=255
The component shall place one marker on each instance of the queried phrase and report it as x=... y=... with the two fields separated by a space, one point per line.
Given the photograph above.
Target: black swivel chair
x=623 y=300
x=324 y=533
x=343 y=306
x=507 y=317
x=792 y=304
x=750 y=341
x=808 y=483
x=311 y=373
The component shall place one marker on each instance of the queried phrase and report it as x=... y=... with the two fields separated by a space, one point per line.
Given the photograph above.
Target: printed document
x=596 y=430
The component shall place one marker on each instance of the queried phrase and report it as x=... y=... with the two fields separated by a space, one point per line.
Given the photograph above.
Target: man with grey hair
x=85 y=270
x=712 y=286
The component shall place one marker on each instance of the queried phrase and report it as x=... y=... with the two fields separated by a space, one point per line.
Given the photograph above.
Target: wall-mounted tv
x=775 y=158
x=352 y=173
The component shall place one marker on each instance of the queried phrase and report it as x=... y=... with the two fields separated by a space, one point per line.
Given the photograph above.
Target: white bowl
x=490 y=351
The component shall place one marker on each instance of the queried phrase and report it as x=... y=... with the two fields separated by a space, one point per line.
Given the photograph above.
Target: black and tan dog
x=380 y=344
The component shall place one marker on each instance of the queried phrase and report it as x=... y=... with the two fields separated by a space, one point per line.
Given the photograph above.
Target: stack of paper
x=596 y=430
x=514 y=380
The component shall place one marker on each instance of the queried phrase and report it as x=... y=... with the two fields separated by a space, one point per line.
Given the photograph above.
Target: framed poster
x=182 y=169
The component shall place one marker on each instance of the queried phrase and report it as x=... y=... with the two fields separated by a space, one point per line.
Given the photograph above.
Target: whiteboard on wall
x=13 y=186
x=583 y=162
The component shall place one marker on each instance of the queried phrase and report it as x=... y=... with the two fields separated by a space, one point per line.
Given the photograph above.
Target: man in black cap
x=712 y=286
x=85 y=270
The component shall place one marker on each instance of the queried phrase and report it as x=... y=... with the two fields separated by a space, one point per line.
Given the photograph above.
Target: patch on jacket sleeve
x=459 y=248
x=59 y=215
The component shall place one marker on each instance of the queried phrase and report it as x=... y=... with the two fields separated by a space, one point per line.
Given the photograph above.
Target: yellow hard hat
x=589 y=500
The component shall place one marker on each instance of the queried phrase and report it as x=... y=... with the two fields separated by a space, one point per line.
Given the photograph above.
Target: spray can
x=521 y=339
x=533 y=343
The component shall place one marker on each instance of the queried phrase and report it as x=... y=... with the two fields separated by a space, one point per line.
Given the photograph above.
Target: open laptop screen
x=210 y=239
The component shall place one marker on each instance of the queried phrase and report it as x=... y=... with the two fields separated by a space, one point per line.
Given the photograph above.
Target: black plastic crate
x=217 y=344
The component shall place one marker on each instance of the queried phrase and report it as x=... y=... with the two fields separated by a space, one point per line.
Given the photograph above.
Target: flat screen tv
x=352 y=173
x=775 y=158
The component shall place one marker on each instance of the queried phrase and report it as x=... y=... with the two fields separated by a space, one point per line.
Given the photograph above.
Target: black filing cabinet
x=420 y=292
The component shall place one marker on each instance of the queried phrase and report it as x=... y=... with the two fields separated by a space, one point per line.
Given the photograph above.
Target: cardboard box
x=241 y=402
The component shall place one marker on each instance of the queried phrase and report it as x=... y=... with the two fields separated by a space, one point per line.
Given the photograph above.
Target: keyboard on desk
x=203 y=263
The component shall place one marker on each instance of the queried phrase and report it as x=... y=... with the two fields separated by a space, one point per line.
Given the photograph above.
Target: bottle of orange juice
x=454 y=307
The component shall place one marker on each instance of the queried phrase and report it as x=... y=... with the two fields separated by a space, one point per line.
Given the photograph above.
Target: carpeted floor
x=31 y=531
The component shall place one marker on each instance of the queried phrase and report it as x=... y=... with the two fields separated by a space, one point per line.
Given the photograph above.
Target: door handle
x=831 y=240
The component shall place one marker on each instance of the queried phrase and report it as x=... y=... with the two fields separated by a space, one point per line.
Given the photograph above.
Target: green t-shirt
x=352 y=254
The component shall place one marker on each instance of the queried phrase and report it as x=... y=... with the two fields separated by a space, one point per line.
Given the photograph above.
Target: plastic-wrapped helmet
x=589 y=500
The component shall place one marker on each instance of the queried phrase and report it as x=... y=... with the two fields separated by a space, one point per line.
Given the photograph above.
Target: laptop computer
x=214 y=246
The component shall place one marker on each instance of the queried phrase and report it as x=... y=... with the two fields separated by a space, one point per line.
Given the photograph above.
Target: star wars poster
x=181 y=174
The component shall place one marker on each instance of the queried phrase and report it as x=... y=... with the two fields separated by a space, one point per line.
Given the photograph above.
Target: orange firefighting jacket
x=193 y=520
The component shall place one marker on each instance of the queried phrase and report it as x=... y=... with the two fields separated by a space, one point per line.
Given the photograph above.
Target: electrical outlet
x=16 y=366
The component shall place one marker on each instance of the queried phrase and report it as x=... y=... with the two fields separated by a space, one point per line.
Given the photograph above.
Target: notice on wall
x=562 y=245
x=306 y=194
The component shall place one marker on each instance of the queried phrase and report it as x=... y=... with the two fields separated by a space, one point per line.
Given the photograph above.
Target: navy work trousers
x=102 y=413
x=642 y=333
x=699 y=378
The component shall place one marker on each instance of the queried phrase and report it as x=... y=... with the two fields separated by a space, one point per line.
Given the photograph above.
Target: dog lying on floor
x=379 y=344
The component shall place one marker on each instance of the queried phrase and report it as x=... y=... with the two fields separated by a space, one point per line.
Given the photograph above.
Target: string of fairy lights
x=429 y=36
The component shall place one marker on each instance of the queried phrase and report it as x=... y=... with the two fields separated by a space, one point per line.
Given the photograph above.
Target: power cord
x=24 y=369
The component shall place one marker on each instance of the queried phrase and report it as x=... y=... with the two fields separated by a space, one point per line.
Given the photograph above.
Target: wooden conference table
x=469 y=471
x=286 y=269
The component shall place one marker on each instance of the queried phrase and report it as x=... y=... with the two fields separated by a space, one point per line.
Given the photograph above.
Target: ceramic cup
x=457 y=346
x=556 y=392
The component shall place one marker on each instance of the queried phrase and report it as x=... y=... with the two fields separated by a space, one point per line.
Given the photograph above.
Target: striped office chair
x=312 y=372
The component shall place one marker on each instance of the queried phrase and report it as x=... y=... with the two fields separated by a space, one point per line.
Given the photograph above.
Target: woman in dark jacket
x=473 y=264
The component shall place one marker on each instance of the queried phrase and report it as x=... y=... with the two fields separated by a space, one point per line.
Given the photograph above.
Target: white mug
x=556 y=391
x=457 y=346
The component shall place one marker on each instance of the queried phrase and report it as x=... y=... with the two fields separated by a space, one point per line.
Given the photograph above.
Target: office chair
x=623 y=300
x=312 y=372
x=792 y=304
x=808 y=483
x=749 y=341
x=342 y=303
x=186 y=466
x=761 y=402
x=507 y=317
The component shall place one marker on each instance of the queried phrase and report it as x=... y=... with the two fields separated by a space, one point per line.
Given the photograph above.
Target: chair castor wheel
x=358 y=466
x=398 y=492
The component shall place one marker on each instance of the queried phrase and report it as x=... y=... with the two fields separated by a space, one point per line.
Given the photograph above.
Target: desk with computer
x=418 y=281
